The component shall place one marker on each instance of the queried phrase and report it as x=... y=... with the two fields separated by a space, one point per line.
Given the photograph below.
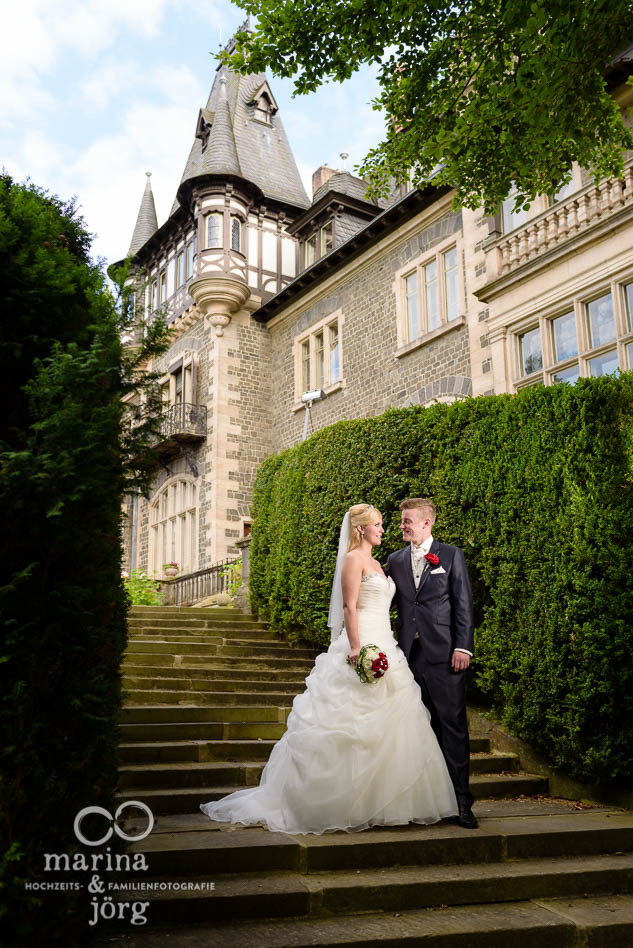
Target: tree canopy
x=494 y=93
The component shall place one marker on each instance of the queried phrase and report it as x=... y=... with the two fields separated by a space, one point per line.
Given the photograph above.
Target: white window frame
x=236 y=220
x=173 y=526
x=311 y=336
x=181 y=268
x=207 y=221
x=404 y=343
x=190 y=253
x=579 y=304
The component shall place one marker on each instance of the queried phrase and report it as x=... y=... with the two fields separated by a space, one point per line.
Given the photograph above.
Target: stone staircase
x=208 y=693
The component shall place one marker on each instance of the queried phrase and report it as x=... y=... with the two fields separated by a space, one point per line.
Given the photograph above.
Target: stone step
x=136 y=696
x=591 y=922
x=212 y=617
x=179 y=793
x=169 y=626
x=196 y=750
x=157 y=776
x=209 y=672
x=255 y=850
x=201 y=730
x=245 y=648
x=223 y=748
x=182 y=714
x=211 y=684
x=205 y=638
x=145 y=732
x=200 y=635
x=162 y=659
x=191 y=611
x=283 y=894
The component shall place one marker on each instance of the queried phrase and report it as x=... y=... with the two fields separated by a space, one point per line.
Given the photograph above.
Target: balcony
x=559 y=230
x=182 y=426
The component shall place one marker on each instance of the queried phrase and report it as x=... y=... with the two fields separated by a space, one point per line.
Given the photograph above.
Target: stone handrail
x=565 y=220
x=192 y=587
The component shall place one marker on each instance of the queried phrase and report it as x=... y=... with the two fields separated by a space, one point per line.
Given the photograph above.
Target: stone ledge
x=483 y=724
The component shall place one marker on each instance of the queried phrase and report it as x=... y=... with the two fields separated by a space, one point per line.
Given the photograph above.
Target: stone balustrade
x=565 y=220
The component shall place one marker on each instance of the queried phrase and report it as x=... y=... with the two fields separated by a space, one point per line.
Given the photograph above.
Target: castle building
x=274 y=295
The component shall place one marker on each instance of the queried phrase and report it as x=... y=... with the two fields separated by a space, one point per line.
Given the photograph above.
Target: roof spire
x=220 y=156
x=146 y=222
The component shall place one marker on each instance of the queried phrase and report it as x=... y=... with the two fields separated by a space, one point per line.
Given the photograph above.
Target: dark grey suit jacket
x=440 y=609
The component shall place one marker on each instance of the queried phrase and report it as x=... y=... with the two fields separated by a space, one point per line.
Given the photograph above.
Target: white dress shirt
x=419 y=564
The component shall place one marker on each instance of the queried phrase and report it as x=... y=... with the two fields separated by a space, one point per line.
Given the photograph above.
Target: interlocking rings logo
x=87 y=810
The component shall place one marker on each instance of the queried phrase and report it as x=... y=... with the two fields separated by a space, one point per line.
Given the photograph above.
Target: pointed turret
x=220 y=154
x=239 y=132
x=146 y=222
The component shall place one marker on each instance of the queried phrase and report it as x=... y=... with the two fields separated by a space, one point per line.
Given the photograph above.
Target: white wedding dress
x=354 y=755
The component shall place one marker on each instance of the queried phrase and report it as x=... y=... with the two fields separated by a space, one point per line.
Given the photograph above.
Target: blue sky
x=93 y=93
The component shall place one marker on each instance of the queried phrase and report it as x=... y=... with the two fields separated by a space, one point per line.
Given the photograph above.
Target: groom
x=435 y=631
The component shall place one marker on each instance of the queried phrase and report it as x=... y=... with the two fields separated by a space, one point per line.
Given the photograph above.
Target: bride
x=354 y=754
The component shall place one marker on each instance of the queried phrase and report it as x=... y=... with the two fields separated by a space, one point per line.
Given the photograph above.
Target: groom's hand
x=461 y=661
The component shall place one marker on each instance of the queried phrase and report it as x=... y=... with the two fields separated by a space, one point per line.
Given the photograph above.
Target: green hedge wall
x=536 y=488
x=63 y=469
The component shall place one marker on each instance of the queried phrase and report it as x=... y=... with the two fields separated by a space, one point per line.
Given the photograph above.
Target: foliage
x=233 y=574
x=64 y=465
x=495 y=92
x=537 y=490
x=142 y=590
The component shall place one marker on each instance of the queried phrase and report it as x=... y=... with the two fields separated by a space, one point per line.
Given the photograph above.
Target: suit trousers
x=444 y=694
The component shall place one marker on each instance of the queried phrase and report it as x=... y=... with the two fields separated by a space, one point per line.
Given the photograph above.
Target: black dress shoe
x=466 y=817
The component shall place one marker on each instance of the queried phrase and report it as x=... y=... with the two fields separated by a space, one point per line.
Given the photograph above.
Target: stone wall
x=374 y=378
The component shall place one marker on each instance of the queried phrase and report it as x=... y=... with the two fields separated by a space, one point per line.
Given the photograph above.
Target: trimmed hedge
x=65 y=459
x=537 y=490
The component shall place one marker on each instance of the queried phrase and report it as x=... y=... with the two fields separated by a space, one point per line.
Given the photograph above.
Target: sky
x=94 y=93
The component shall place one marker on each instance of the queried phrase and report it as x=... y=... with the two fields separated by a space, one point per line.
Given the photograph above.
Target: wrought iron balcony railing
x=184 y=422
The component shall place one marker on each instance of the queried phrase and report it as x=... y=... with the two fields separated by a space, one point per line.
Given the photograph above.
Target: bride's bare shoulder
x=353 y=561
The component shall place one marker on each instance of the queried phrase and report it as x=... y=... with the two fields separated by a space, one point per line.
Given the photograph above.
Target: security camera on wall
x=313 y=396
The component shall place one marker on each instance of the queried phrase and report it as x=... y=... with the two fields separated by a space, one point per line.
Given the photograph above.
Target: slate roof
x=346 y=183
x=238 y=144
x=146 y=222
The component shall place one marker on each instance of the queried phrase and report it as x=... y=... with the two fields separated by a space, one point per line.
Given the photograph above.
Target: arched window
x=173 y=533
x=214 y=230
x=236 y=234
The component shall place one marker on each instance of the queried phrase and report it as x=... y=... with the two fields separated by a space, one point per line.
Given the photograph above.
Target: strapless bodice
x=376 y=591
x=374 y=598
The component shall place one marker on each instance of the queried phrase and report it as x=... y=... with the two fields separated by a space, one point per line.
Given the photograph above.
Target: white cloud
x=93 y=93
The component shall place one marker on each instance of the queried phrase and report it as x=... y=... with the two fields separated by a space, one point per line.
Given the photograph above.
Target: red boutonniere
x=432 y=558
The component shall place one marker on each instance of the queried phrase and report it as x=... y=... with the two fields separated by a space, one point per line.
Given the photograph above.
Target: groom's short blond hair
x=425 y=506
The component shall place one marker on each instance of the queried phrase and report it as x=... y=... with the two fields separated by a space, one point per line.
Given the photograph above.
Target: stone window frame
x=181 y=267
x=236 y=219
x=403 y=344
x=166 y=527
x=207 y=220
x=152 y=298
x=323 y=237
x=190 y=255
x=310 y=335
x=577 y=303
x=188 y=365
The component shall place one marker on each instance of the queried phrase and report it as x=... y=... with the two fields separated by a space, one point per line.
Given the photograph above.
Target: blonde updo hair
x=359 y=515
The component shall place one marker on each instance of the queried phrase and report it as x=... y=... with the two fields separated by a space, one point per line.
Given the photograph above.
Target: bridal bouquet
x=371 y=665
